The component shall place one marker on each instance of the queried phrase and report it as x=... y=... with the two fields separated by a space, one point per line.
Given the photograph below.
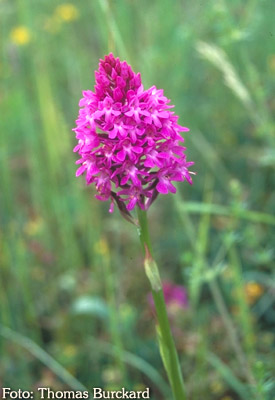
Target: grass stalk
x=110 y=288
x=227 y=211
x=41 y=355
x=114 y=37
x=244 y=313
x=231 y=331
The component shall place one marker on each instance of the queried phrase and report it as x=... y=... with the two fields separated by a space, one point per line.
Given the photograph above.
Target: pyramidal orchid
x=129 y=140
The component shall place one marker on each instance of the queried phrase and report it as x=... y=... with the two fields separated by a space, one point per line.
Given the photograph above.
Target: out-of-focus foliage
x=74 y=304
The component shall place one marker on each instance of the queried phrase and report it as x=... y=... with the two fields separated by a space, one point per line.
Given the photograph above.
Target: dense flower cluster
x=128 y=139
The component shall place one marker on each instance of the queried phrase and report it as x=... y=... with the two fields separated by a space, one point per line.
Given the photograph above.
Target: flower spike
x=128 y=139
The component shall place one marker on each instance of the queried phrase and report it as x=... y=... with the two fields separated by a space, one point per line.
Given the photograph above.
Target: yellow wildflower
x=34 y=226
x=111 y=375
x=139 y=386
x=20 y=35
x=67 y=12
x=70 y=350
x=101 y=247
x=216 y=387
x=253 y=291
x=125 y=311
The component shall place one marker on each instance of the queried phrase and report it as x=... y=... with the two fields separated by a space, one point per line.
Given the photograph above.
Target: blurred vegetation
x=73 y=298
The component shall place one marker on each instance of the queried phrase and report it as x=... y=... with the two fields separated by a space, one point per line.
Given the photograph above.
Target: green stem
x=144 y=231
x=166 y=342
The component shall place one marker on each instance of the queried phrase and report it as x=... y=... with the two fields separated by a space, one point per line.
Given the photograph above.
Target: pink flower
x=128 y=139
x=175 y=296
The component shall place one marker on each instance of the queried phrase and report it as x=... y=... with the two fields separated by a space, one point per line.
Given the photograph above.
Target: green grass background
x=73 y=294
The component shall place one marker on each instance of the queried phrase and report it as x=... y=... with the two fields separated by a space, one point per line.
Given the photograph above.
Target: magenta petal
x=120 y=82
x=112 y=134
x=131 y=204
x=111 y=209
x=157 y=122
x=102 y=198
x=179 y=150
x=163 y=114
x=121 y=155
x=118 y=95
x=163 y=155
x=183 y=129
x=124 y=180
x=137 y=149
x=171 y=187
x=144 y=112
x=80 y=170
x=189 y=179
x=129 y=113
x=177 y=176
x=149 y=163
x=135 y=180
x=162 y=188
